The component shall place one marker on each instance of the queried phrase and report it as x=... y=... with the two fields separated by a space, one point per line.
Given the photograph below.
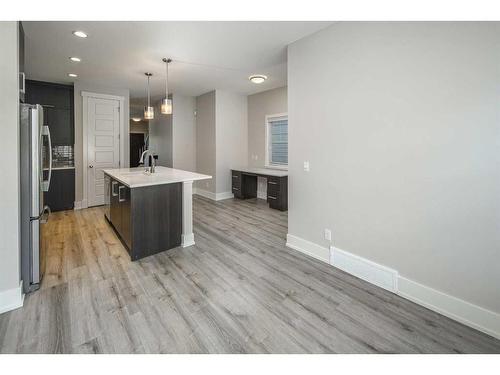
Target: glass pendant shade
x=166 y=103
x=149 y=113
x=166 y=106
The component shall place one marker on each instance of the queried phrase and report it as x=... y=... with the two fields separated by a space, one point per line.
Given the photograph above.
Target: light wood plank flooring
x=238 y=290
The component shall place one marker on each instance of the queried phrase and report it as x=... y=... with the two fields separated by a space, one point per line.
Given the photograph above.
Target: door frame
x=85 y=98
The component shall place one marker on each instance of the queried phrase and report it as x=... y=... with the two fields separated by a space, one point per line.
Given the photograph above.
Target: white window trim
x=267 y=164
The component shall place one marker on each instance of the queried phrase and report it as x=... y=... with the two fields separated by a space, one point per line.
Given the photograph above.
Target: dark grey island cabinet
x=147 y=219
x=150 y=213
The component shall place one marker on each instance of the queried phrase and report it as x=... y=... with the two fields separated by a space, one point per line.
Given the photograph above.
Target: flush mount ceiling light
x=75 y=59
x=166 y=104
x=136 y=119
x=149 y=112
x=72 y=75
x=80 y=34
x=257 y=78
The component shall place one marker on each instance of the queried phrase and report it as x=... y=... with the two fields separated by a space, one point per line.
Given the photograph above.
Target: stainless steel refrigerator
x=36 y=171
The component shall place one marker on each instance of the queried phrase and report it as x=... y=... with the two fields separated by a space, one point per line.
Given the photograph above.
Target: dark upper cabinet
x=22 y=81
x=57 y=102
x=58 y=120
x=21 y=48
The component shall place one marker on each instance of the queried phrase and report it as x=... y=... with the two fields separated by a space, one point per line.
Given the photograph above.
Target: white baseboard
x=11 y=299
x=365 y=269
x=78 y=205
x=308 y=248
x=467 y=313
x=213 y=196
x=455 y=308
x=225 y=195
x=187 y=240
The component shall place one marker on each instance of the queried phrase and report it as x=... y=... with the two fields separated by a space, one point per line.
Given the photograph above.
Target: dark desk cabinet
x=277 y=192
x=58 y=109
x=244 y=186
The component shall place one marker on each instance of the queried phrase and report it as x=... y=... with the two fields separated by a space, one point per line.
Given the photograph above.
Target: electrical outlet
x=207 y=184
x=328 y=235
x=306 y=166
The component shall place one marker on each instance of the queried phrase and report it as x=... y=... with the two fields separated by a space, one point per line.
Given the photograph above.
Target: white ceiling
x=206 y=55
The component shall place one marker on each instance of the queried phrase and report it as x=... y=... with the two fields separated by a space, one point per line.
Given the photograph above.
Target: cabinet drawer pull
x=113 y=184
x=235 y=188
x=272 y=183
x=234 y=176
x=271 y=197
x=120 y=193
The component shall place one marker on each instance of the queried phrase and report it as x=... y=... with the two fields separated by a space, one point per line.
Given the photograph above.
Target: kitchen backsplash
x=63 y=156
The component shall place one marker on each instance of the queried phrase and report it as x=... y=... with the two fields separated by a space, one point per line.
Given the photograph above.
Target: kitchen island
x=151 y=212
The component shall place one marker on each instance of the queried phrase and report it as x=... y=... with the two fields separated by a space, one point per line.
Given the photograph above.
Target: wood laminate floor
x=238 y=290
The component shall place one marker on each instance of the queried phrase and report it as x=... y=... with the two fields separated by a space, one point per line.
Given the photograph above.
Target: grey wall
x=205 y=140
x=160 y=136
x=139 y=127
x=259 y=106
x=401 y=125
x=100 y=89
x=9 y=151
x=231 y=136
x=184 y=133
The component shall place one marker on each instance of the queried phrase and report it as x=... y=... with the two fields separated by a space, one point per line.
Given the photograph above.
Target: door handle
x=23 y=81
x=120 y=193
x=91 y=166
x=113 y=184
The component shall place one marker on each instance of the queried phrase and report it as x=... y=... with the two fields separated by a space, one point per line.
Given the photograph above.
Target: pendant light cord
x=166 y=81
x=149 y=95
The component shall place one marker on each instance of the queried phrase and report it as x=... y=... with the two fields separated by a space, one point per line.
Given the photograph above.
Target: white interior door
x=103 y=144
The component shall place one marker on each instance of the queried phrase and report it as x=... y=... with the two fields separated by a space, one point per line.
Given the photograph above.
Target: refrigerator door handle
x=23 y=82
x=46 y=183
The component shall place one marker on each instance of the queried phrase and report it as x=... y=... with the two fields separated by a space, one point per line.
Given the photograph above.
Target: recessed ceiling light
x=136 y=119
x=257 y=78
x=75 y=59
x=73 y=75
x=80 y=34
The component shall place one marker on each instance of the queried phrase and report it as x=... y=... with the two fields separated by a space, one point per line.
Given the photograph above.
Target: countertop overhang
x=265 y=171
x=136 y=177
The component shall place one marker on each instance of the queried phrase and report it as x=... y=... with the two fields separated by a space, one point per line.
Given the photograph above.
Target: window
x=277 y=140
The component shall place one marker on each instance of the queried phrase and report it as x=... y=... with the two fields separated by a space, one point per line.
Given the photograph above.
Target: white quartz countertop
x=267 y=171
x=136 y=177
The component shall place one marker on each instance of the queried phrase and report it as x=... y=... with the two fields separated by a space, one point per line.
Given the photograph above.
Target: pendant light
x=149 y=112
x=166 y=104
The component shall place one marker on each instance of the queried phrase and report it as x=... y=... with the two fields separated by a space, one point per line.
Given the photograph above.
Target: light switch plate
x=306 y=166
x=328 y=234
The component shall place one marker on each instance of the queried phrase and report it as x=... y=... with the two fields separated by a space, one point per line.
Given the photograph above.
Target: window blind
x=278 y=141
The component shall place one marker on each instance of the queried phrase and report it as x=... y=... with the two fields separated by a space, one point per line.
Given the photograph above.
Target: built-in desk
x=244 y=185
